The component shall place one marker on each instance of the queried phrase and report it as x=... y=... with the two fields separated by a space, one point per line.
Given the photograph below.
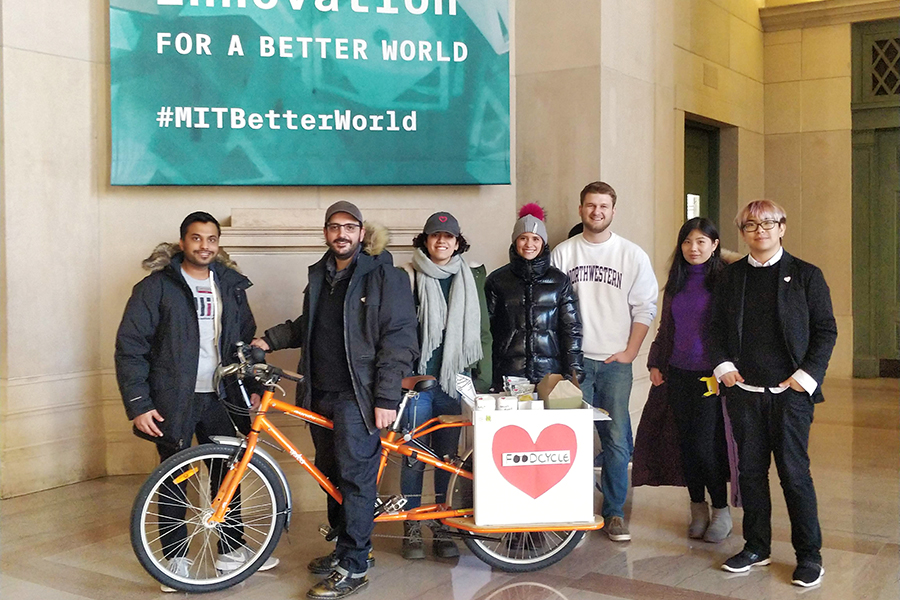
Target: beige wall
x=589 y=105
x=599 y=90
x=718 y=66
x=808 y=157
x=72 y=246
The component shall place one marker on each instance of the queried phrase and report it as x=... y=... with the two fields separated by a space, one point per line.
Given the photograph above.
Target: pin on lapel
x=788 y=278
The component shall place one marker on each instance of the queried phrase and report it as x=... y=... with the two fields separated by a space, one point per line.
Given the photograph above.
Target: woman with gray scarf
x=454 y=334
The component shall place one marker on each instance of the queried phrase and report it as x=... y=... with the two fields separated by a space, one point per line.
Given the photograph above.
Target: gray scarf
x=457 y=325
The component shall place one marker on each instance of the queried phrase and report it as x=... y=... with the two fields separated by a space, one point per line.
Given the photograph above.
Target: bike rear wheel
x=170 y=519
x=514 y=552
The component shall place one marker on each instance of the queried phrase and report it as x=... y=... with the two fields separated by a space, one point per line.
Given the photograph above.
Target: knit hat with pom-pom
x=531 y=220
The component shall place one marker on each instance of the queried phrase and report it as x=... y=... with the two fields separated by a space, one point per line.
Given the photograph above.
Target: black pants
x=701 y=434
x=348 y=455
x=209 y=419
x=766 y=424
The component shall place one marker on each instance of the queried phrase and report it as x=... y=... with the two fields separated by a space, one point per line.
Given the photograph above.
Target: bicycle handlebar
x=252 y=363
x=263 y=371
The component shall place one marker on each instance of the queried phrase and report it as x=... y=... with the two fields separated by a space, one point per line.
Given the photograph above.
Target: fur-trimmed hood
x=377 y=238
x=162 y=255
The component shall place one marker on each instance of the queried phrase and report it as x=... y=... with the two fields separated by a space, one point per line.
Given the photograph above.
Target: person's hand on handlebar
x=146 y=422
x=261 y=344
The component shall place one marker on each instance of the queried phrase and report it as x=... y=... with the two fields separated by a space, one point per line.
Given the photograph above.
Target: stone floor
x=72 y=542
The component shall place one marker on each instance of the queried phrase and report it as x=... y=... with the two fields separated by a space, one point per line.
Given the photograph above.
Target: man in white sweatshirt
x=617 y=293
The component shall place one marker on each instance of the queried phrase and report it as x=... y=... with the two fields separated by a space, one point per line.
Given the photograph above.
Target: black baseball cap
x=442 y=221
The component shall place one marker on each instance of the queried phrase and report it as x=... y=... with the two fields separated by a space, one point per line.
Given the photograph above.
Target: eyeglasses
x=751 y=226
x=348 y=227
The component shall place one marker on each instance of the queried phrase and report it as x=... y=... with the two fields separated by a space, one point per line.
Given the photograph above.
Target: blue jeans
x=429 y=404
x=348 y=456
x=608 y=386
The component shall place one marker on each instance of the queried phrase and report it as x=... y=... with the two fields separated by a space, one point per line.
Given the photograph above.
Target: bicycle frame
x=499 y=546
x=262 y=423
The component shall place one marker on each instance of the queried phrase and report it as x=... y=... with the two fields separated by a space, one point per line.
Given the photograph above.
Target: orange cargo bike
x=254 y=496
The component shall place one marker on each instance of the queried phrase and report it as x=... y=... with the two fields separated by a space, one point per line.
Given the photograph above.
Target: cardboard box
x=534 y=466
x=547 y=392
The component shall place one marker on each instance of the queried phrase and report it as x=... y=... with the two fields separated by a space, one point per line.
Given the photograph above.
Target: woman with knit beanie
x=533 y=309
x=454 y=337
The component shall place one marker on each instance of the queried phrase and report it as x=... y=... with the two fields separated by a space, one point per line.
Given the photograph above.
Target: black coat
x=534 y=320
x=158 y=344
x=804 y=315
x=379 y=332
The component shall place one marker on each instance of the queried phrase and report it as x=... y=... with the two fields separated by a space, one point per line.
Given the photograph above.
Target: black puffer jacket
x=379 y=328
x=158 y=342
x=534 y=320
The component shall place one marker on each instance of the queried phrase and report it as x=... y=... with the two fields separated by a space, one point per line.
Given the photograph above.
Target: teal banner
x=309 y=92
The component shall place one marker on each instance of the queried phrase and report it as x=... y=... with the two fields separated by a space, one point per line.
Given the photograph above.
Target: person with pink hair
x=773 y=331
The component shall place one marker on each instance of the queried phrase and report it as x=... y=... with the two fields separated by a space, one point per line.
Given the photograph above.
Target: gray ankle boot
x=719 y=526
x=699 y=520
x=412 y=548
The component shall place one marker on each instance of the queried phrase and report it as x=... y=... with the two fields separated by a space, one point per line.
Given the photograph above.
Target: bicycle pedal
x=391 y=505
x=328 y=533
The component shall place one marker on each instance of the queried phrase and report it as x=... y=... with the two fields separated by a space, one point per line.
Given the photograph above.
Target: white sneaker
x=179 y=566
x=236 y=558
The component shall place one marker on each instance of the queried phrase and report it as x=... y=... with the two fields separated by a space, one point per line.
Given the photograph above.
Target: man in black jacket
x=358 y=335
x=772 y=337
x=179 y=323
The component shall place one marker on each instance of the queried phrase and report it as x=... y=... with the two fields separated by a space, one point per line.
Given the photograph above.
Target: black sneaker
x=324 y=565
x=808 y=574
x=744 y=560
x=337 y=585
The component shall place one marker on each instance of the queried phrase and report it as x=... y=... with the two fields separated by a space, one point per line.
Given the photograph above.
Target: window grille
x=884 y=69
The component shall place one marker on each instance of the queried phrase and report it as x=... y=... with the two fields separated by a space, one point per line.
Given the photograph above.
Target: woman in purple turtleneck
x=680 y=366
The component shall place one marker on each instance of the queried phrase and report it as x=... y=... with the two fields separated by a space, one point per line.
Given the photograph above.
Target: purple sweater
x=691 y=313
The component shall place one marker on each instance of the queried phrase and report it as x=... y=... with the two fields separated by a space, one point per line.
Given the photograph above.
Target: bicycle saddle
x=419 y=383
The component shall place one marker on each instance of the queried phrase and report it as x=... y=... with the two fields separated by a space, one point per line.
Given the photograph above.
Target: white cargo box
x=533 y=466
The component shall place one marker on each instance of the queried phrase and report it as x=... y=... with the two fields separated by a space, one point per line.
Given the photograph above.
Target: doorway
x=876 y=199
x=701 y=171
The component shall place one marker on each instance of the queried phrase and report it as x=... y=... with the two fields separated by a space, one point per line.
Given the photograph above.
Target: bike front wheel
x=171 y=531
x=511 y=551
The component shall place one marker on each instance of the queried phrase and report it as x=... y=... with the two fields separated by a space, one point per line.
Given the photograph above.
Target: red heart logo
x=442 y=218
x=534 y=467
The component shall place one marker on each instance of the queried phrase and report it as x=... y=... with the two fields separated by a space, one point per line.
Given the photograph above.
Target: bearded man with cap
x=533 y=309
x=358 y=335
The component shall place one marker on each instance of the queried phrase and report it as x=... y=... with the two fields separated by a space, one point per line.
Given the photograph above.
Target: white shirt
x=800 y=376
x=616 y=287
x=206 y=299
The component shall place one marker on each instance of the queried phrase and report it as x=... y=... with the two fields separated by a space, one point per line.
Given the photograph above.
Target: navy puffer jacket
x=158 y=343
